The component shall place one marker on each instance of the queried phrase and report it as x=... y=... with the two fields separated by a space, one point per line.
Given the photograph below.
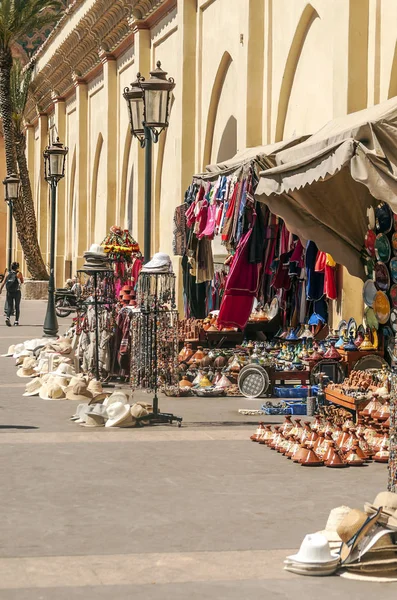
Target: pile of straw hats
x=96 y=259
x=114 y=411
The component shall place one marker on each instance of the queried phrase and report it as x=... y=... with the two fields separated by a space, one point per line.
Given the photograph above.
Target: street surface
x=160 y=513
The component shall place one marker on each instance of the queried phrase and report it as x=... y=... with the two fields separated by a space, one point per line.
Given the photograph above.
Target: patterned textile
x=179 y=242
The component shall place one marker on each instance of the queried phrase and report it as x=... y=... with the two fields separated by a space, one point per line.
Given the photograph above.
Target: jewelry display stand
x=154 y=333
x=96 y=274
x=392 y=481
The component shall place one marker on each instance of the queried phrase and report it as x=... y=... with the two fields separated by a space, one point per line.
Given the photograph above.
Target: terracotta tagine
x=267 y=436
x=276 y=438
x=186 y=353
x=355 y=457
x=185 y=383
x=383 y=413
x=293 y=449
x=332 y=353
x=317 y=423
x=382 y=455
x=335 y=459
x=308 y=435
x=260 y=428
x=372 y=407
x=365 y=447
x=220 y=361
x=287 y=425
x=311 y=459
x=301 y=454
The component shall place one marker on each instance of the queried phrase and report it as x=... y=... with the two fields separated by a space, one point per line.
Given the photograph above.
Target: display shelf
x=342 y=400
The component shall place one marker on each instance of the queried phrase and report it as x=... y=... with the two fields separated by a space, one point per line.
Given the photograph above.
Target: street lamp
x=54 y=171
x=11 y=193
x=149 y=110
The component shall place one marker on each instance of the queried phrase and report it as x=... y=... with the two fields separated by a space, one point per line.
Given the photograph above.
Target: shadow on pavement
x=18 y=427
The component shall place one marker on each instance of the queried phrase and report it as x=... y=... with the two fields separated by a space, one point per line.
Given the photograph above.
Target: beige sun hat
x=96 y=389
x=81 y=413
x=21 y=357
x=79 y=392
x=33 y=387
x=27 y=369
x=117 y=396
x=138 y=412
x=17 y=349
x=42 y=366
x=75 y=379
x=52 y=391
x=386 y=501
x=392 y=521
x=119 y=414
x=335 y=518
x=355 y=526
x=63 y=382
x=47 y=377
x=64 y=370
x=10 y=351
x=93 y=421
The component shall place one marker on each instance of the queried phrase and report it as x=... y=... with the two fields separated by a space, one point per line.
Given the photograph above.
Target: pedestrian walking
x=13 y=281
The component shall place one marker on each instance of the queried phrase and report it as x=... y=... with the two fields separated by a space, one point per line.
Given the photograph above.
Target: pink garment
x=201 y=220
x=211 y=222
x=240 y=289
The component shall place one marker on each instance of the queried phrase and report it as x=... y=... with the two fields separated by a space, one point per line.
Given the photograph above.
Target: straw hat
x=97 y=410
x=32 y=345
x=93 y=421
x=353 y=528
x=160 y=263
x=138 y=412
x=9 y=352
x=42 y=365
x=95 y=387
x=33 y=387
x=81 y=413
x=386 y=501
x=119 y=414
x=24 y=354
x=336 y=516
x=27 y=369
x=117 y=396
x=17 y=349
x=52 y=391
x=79 y=392
x=76 y=379
x=64 y=370
x=63 y=382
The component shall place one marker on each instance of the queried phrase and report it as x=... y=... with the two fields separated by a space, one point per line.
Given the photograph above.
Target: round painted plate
x=342 y=327
x=393 y=269
x=394 y=243
x=393 y=319
x=395 y=221
x=384 y=218
x=369 y=242
x=393 y=295
x=382 y=248
x=273 y=311
x=352 y=327
x=370 y=319
x=369 y=267
x=382 y=277
x=371 y=217
x=382 y=307
x=369 y=292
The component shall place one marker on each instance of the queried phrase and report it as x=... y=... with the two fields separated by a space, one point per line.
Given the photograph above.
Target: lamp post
x=149 y=110
x=54 y=171
x=11 y=193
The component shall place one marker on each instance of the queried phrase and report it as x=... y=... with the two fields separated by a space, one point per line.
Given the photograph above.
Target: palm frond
x=19 y=88
x=21 y=17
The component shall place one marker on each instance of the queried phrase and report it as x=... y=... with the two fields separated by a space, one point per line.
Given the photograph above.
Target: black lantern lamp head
x=11 y=187
x=54 y=162
x=134 y=97
x=156 y=100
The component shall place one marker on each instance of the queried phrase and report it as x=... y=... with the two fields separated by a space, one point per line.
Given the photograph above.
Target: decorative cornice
x=141 y=9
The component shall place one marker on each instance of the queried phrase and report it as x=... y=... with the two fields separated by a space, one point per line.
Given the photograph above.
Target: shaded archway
x=228 y=144
x=223 y=68
x=305 y=22
x=94 y=185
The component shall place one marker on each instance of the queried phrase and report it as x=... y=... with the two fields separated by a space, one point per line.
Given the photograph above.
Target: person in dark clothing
x=13 y=281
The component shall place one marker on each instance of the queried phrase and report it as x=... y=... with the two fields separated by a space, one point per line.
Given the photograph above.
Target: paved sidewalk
x=160 y=513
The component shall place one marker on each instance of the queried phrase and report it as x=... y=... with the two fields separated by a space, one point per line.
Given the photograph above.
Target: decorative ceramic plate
x=369 y=292
x=352 y=327
x=369 y=267
x=393 y=269
x=393 y=319
x=331 y=368
x=394 y=242
x=370 y=319
x=369 y=242
x=393 y=295
x=360 y=329
x=342 y=327
x=384 y=218
x=253 y=381
x=395 y=221
x=371 y=361
x=381 y=307
x=273 y=310
x=371 y=217
x=382 y=248
x=382 y=277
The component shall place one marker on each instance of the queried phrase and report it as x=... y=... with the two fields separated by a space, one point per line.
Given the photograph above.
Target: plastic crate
x=277 y=411
x=298 y=408
x=292 y=392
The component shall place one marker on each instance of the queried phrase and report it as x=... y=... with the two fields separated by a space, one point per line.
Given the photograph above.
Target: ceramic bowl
x=369 y=292
x=382 y=277
x=369 y=242
x=393 y=295
x=382 y=248
x=370 y=318
x=381 y=307
x=393 y=269
x=384 y=218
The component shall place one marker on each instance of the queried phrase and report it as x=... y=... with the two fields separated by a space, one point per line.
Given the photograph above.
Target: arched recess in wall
x=125 y=196
x=223 y=68
x=393 y=76
x=94 y=186
x=228 y=144
x=71 y=201
x=308 y=16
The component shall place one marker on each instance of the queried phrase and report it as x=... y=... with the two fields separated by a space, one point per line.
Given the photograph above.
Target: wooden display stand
x=343 y=400
x=349 y=359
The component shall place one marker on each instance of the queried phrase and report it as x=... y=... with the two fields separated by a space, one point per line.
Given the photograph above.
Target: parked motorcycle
x=65 y=302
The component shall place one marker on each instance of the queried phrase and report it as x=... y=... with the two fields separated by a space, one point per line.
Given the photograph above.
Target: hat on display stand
x=96 y=259
x=160 y=263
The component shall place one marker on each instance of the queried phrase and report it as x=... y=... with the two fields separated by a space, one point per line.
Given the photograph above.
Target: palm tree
x=18 y=18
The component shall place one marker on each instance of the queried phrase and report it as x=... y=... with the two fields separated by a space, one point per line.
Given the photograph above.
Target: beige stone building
x=247 y=72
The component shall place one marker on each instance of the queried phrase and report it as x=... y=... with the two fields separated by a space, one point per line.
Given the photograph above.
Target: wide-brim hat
x=335 y=518
x=52 y=391
x=118 y=413
x=18 y=348
x=96 y=267
x=392 y=521
x=116 y=396
x=10 y=351
x=32 y=345
x=81 y=412
x=354 y=527
x=33 y=387
x=21 y=357
x=95 y=387
x=79 y=392
x=382 y=576
x=139 y=412
x=160 y=263
x=386 y=501
x=93 y=421
x=27 y=369
x=64 y=370
x=96 y=250
x=97 y=409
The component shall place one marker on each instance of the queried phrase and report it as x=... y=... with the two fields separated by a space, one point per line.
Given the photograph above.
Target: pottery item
x=267 y=435
x=258 y=432
x=332 y=353
x=311 y=459
x=369 y=292
x=382 y=277
x=381 y=307
x=384 y=218
x=335 y=461
x=393 y=295
x=382 y=248
x=350 y=346
x=382 y=455
x=186 y=353
x=205 y=382
x=393 y=269
x=353 y=459
x=370 y=318
x=185 y=383
x=369 y=242
x=223 y=382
